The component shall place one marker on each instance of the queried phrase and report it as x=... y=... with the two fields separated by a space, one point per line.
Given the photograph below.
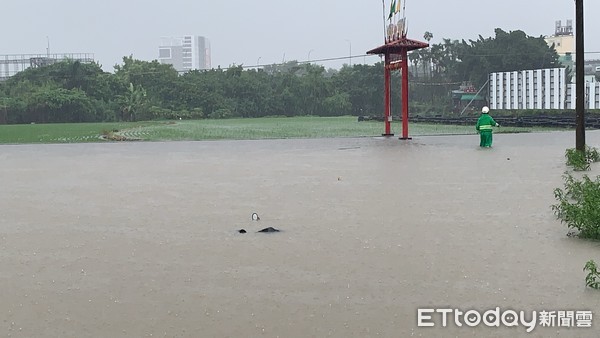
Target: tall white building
x=528 y=89
x=185 y=53
x=592 y=95
x=539 y=89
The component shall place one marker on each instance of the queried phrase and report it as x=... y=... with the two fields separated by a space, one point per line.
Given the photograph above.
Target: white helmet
x=485 y=110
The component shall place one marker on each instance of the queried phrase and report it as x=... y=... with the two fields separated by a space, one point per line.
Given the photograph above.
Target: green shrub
x=593 y=277
x=222 y=113
x=593 y=154
x=578 y=205
x=581 y=160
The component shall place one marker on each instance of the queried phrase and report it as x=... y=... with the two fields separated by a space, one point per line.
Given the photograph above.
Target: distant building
x=467 y=95
x=539 y=89
x=564 y=43
x=528 y=89
x=592 y=95
x=185 y=53
x=14 y=63
x=592 y=67
x=563 y=38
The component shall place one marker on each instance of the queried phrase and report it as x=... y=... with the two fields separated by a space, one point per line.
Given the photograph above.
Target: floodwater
x=140 y=239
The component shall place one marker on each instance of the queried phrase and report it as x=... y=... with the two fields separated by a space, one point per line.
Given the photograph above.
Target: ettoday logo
x=509 y=318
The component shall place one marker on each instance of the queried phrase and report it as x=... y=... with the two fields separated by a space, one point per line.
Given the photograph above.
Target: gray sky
x=242 y=32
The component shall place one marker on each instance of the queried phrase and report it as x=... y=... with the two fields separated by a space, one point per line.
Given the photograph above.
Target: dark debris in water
x=269 y=229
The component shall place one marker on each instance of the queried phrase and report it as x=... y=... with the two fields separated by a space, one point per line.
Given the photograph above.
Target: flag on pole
x=398 y=5
x=392 y=9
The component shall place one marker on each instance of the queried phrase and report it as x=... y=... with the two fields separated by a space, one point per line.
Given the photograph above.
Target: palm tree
x=428 y=36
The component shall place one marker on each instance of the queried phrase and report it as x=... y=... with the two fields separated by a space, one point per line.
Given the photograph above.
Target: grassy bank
x=195 y=130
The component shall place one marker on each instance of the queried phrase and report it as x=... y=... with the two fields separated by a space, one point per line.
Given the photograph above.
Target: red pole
x=404 y=95
x=387 y=89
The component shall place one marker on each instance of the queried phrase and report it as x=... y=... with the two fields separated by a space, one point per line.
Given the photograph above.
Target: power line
x=435 y=83
x=520 y=54
x=308 y=62
x=302 y=62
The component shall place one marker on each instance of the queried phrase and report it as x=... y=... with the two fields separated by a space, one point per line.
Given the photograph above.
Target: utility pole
x=579 y=77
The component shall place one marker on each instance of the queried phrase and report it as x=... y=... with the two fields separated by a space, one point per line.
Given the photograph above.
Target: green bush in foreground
x=578 y=205
x=581 y=160
x=593 y=277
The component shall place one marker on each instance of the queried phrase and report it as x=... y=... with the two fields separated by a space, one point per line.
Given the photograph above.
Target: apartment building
x=189 y=52
x=528 y=89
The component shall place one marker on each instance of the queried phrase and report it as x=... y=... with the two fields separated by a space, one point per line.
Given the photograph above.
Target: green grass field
x=234 y=129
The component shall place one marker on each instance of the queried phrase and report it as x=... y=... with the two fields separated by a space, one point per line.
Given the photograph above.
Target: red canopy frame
x=396 y=57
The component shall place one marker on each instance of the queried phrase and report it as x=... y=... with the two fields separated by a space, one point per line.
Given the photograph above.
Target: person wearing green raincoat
x=484 y=128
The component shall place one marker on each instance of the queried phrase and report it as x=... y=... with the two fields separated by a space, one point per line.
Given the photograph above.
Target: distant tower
x=185 y=53
x=563 y=40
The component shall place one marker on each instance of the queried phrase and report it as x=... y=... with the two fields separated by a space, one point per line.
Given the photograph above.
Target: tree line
x=71 y=91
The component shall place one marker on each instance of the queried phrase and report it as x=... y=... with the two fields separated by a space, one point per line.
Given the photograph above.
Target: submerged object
x=255 y=217
x=242 y=231
x=269 y=229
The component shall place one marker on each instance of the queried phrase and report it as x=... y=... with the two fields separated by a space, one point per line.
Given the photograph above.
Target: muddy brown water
x=140 y=239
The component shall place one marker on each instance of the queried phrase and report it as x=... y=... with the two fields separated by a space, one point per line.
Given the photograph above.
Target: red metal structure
x=396 y=57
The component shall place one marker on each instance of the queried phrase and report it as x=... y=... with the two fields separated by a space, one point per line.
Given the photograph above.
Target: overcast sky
x=265 y=31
